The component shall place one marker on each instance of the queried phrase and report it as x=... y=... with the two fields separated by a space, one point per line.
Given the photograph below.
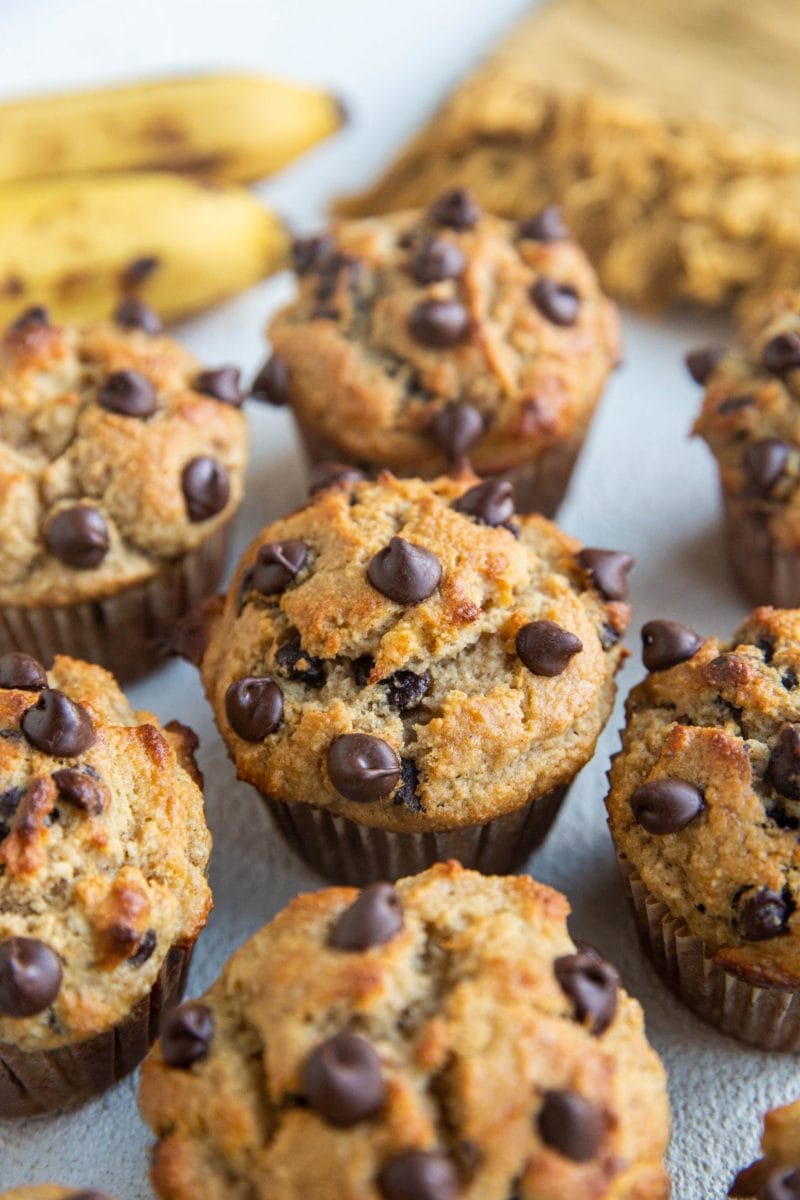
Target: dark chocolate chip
x=277 y=564
x=292 y=658
x=457 y=209
x=254 y=707
x=782 y=353
x=37 y=314
x=764 y=462
x=373 y=919
x=559 y=302
x=419 y=1175
x=343 y=1081
x=457 y=428
x=78 y=537
x=781 y=1184
x=186 y=1035
x=784 y=762
x=608 y=571
x=546 y=648
x=437 y=259
x=701 y=363
x=221 y=383
x=145 y=949
x=330 y=474
x=735 y=404
x=545 y=226
x=129 y=394
x=407 y=795
x=311 y=253
x=30 y=977
x=271 y=384
x=88 y=1194
x=592 y=985
x=405 y=689
x=761 y=915
x=439 y=323
x=789 y=680
x=404 y=572
x=133 y=313
x=667 y=643
x=491 y=503
x=139 y=271
x=206 y=488
x=337 y=270
x=57 y=725
x=571 y=1125
x=363 y=768
x=9 y=803
x=362 y=669
x=666 y=805
x=21 y=672
x=81 y=790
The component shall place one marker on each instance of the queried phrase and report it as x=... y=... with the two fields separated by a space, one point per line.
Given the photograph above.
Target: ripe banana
x=76 y=245
x=237 y=127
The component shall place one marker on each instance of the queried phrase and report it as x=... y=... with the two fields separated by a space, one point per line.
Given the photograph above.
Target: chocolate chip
x=78 y=537
x=571 y=1125
x=133 y=313
x=88 y=1194
x=546 y=648
x=30 y=977
x=782 y=353
x=292 y=658
x=559 y=302
x=186 y=1035
x=361 y=668
x=405 y=689
x=271 y=384
x=789 y=680
x=545 y=226
x=330 y=474
x=407 y=795
x=21 y=672
x=763 y=464
x=338 y=270
x=419 y=1175
x=129 y=394
x=439 y=323
x=667 y=643
x=762 y=915
x=457 y=209
x=491 y=503
x=206 y=488
x=9 y=803
x=221 y=383
x=254 y=707
x=311 y=253
x=343 y=1081
x=362 y=768
x=277 y=564
x=666 y=805
x=139 y=271
x=781 y=1184
x=592 y=985
x=735 y=404
x=404 y=572
x=457 y=428
x=373 y=919
x=37 y=314
x=145 y=949
x=608 y=570
x=81 y=790
x=57 y=725
x=701 y=363
x=784 y=762
x=437 y=259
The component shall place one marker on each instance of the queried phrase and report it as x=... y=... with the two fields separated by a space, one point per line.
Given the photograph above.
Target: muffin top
x=444 y=1038
x=116 y=453
x=776 y=1176
x=421 y=336
x=103 y=851
x=751 y=412
x=413 y=655
x=705 y=794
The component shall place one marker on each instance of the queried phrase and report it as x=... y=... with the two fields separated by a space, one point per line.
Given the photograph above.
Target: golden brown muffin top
x=103 y=851
x=751 y=412
x=776 y=1176
x=442 y=1038
x=705 y=793
x=420 y=336
x=115 y=456
x=462 y=653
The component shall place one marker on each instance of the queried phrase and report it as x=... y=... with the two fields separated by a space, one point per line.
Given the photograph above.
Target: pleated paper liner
x=345 y=852
x=765 y=570
x=128 y=632
x=766 y=1017
x=42 y=1081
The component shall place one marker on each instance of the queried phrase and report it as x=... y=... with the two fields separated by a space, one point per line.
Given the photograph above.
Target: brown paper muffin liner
x=42 y=1081
x=766 y=571
x=128 y=632
x=346 y=852
x=760 y=1016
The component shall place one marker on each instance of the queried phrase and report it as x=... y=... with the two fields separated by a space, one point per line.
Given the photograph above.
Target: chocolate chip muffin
x=420 y=338
x=704 y=809
x=121 y=467
x=408 y=672
x=51 y=1191
x=103 y=852
x=751 y=422
x=776 y=1176
x=441 y=1039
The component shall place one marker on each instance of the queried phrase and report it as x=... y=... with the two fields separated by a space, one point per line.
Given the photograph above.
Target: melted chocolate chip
x=128 y=394
x=277 y=564
x=292 y=658
x=271 y=384
x=405 y=689
x=9 y=803
x=80 y=789
x=145 y=949
x=781 y=1184
x=608 y=570
x=701 y=363
x=666 y=805
x=30 y=977
x=419 y=1175
x=363 y=768
x=332 y=474
x=404 y=572
x=763 y=464
x=782 y=352
x=254 y=707
x=311 y=253
x=343 y=1081
x=457 y=209
x=21 y=672
x=761 y=915
x=559 y=302
x=57 y=725
x=407 y=795
x=437 y=259
x=491 y=503
x=571 y=1125
x=784 y=762
x=667 y=643
x=439 y=323
x=457 y=427
x=546 y=648
x=592 y=985
x=133 y=313
x=78 y=537
x=37 y=314
x=186 y=1035
x=206 y=488
x=221 y=383
x=546 y=226
x=361 y=668
x=373 y=919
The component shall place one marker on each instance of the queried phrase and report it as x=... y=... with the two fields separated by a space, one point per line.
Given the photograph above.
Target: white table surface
x=642 y=485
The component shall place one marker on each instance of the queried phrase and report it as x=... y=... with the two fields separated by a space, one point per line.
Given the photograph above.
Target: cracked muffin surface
x=776 y=1176
x=421 y=1040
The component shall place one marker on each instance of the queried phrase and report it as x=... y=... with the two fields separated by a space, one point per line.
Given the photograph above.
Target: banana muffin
x=103 y=853
x=420 y=338
x=751 y=422
x=408 y=672
x=776 y=1176
x=121 y=465
x=704 y=809
x=441 y=1039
